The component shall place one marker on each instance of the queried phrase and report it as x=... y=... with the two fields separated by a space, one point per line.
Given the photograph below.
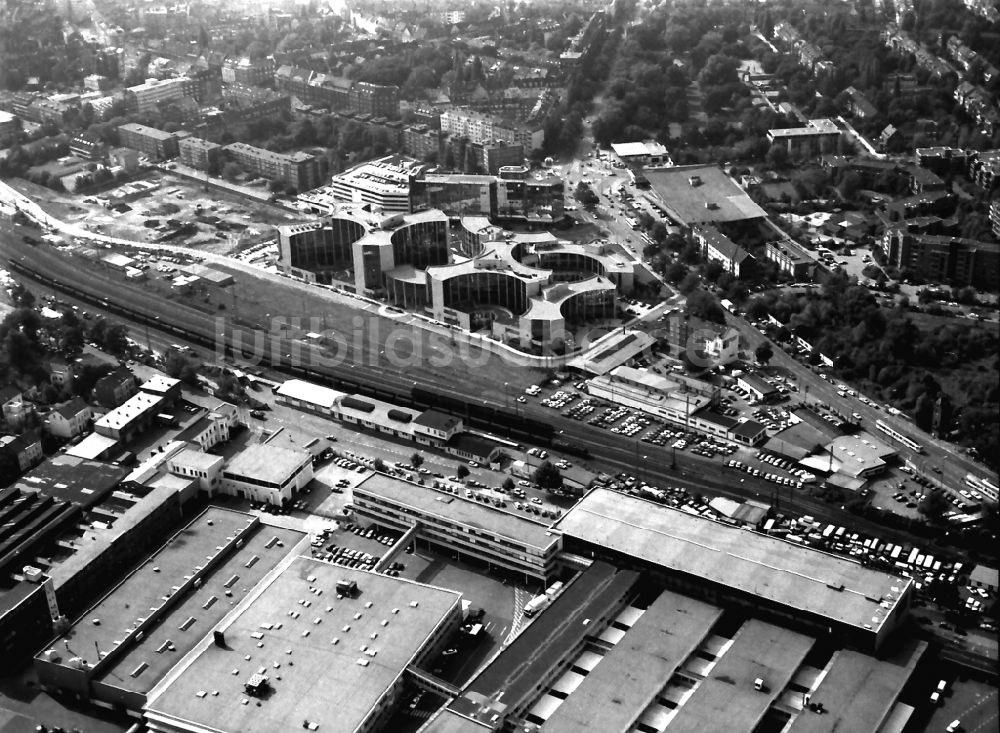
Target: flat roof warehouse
x=805 y=580
x=330 y=660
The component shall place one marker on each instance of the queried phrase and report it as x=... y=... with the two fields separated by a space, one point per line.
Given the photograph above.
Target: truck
x=553 y=590
x=536 y=604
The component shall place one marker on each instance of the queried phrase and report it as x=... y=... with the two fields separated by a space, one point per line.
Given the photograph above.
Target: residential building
x=484 y=128
x=374 y=99
x=943 y=161
x=298 y=170
x=155 y=144
x=16 y=406
x=10 y=129
x=945 y=259
x=859 y=105
x=716 y=247
x=201 y=154
x=62 y=373
x=337 y=93
x=818 y=136
x=995 y=217
x=146 y=96
x=258 y=73
x=116 y=387
x=70 y=418
x=984 y=168
x=25 y=448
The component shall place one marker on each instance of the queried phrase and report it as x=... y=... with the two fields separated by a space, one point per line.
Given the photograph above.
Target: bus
x=898 y=436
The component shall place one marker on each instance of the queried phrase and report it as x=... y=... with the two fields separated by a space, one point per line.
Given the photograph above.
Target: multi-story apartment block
x=819 y=136
x=420 y=141
x=483 y=128
x=156 y=144
x=259 y=73
x=202 y=154
x=337 y=93
x=984 y=168
x=373 y=99
x=859 y=105
x=717 y=247
x=980 y=105
x=299 y=170
x=146 y=96
x=10 y=129
x=951 y=260
x=995 y=217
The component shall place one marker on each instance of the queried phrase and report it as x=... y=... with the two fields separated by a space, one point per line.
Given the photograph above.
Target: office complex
x=529 y=288
x=497 y=537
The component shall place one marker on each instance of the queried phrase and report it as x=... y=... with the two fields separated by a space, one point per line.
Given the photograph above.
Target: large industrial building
x=615 y=654
x=702 y=194
x=524 y=288
x=303 y=653
x=733 y=567
x=129 y=640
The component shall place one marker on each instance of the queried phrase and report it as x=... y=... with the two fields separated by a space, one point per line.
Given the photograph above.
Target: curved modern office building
x=527 y=289
x=321 y=251
x=362 y=249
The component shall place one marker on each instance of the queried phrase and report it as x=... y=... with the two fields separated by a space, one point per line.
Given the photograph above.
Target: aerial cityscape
x=538 y=366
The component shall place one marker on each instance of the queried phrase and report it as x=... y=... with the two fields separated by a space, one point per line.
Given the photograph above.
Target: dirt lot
x=241 y=224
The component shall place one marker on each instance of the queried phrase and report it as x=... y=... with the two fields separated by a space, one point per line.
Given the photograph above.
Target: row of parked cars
x=767 y=475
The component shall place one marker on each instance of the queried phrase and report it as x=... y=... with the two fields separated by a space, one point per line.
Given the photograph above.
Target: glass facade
x=455 y=197
x=466 y=292
x=422 y=245
x=569 y=266
x=324 y=251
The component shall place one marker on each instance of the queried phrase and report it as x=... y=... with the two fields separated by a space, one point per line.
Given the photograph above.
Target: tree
x=21 y=296
x=933 y=507
x=585 y=195
x=461 y=471
x=379 y=465
x=179 y=367
x=777 y=156
x=231 y=171
x=508 y=484
x=547 y=476
x=417 y=460
x=764 y=353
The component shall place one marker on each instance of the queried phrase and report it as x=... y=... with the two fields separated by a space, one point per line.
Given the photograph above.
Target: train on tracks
x=234 y=339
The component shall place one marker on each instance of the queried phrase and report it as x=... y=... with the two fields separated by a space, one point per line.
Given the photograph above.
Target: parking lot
x=972 y=703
